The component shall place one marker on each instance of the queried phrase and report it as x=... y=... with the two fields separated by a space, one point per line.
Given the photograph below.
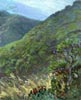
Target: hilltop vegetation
x=13 y=27
x=35 y=50
x=54 y=45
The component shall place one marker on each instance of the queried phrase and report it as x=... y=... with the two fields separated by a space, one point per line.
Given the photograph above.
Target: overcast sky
x=47 y=7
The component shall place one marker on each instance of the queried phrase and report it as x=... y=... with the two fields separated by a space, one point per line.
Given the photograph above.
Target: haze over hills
x=22 y=9
x=29 y=12
x=34 y=52
x=35 y=9
x=13 y=27
x=46 y=63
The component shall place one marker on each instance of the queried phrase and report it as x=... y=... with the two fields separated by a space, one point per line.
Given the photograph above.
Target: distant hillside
x=52 y=46
x=29 y=12
x=34 y=52
x=14 y=6
x=13 y=27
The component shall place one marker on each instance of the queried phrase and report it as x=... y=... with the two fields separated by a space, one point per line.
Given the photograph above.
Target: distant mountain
x=34 y=52
x=13 y=27
x=22 y=9
x=29 y=12
x=54 y=44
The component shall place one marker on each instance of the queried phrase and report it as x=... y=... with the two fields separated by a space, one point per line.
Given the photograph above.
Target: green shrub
x=45 y=96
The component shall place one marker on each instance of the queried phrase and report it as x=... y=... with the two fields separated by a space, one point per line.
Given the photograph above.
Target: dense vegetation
x=36 y=49
x=13 y=27
x=54 y=45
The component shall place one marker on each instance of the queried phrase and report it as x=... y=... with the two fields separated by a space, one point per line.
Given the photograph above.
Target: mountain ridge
x=13 y=27
x=28 y=11
x=33 y=53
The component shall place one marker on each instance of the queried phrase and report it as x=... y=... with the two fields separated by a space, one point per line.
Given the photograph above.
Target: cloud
x=47 y=6
x=6 y=4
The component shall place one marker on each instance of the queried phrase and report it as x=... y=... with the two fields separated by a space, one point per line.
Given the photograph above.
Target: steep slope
x=13 y=27
x=34 y=52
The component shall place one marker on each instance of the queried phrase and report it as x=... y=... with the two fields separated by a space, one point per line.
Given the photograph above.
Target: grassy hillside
x=13 y=27
x=35 y=50
x=55 y=45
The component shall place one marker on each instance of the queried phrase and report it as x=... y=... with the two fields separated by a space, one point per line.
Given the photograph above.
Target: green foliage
x=45 y=96
x=14 y=27
x=75 y=92
x=54 y=43
x=35 y=50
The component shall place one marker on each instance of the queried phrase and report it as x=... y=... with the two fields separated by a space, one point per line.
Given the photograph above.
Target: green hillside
x=54 y=46
x=35 y=50
x=13 y=27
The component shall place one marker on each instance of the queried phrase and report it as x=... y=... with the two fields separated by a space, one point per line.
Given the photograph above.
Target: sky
x=47 y=7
